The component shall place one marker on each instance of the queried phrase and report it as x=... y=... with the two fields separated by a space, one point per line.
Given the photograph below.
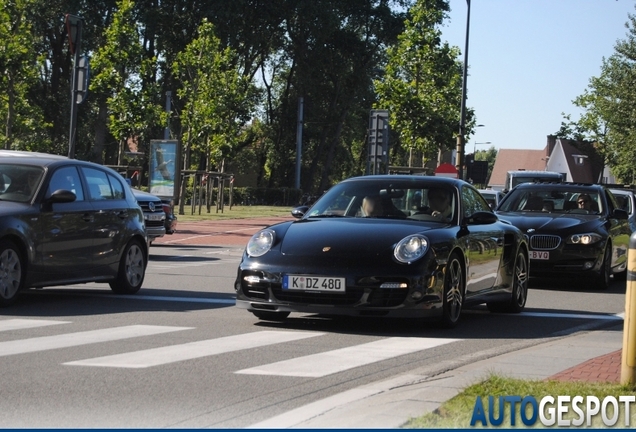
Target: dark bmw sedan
x=64 y=221
x=576 y=231
x=403 y=246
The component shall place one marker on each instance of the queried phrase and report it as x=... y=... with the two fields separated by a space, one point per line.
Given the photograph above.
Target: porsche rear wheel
x=517 y=301
x=454 y=288
x=271 y=316
x=11 y=272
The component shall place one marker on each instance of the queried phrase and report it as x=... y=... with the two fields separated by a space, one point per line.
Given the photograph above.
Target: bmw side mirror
x=620 y=214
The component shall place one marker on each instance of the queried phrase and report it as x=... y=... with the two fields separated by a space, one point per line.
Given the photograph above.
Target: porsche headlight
x=260 y=243
x=411 y=248
x=584 y=239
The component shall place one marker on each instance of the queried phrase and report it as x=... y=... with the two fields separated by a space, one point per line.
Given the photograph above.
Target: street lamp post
x=476 y=144
x=461 y=144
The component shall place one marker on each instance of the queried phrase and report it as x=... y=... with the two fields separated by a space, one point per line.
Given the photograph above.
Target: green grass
x=458 y=411
x=237 y=212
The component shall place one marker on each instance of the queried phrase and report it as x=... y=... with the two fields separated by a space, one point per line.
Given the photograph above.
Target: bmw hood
x=551 y=223
x=346 y=237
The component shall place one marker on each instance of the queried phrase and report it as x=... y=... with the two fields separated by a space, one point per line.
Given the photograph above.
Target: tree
x=609 y=112
x=423 y=81
x=126 y=97
x=23 y=122
x=217 y=100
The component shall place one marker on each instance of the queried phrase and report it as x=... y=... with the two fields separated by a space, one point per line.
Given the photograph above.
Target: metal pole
x=76 y=59
x=628 y=361
x=461 y=143
x=299 y=140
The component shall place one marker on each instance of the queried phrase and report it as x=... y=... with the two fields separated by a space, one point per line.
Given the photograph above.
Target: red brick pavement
x=236 y=232
x=605 y=368
x=230 y=232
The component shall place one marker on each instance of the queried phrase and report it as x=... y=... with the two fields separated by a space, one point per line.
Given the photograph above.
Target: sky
x=528 y=60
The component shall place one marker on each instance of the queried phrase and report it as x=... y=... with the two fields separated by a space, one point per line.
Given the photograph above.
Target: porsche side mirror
x=481 y=218
x=299 y=212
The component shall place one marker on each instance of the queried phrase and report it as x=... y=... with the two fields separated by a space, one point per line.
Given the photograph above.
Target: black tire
x=271 y=316
x=520 y=278
x=132 y=269
x=602 y=279
x=454 y=289
x=11 y=272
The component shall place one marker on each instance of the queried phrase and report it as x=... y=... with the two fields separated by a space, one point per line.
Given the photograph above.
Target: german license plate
x=155 y=216
x=539 y=255
x=314 y=283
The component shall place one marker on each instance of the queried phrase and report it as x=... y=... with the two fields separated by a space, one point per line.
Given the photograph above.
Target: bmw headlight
x=260 y=243
x=584 y=239
x=411 y=248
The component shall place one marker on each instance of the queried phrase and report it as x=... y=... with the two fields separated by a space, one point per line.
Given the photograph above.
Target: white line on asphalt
x=82 y=338
x=297 y=416
x=192 y=350
x=330 y=362
x=17 y=324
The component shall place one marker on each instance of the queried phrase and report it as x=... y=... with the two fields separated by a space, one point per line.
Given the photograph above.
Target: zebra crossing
x=310 y=366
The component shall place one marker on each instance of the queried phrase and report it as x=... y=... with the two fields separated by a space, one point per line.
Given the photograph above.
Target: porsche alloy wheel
x=453 y=293
x=517 y=301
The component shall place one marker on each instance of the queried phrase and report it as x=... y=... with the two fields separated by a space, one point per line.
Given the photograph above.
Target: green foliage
x=217 y=99
x=608 y=105
x=457 y=412
x=423 y=82
x=23 y=122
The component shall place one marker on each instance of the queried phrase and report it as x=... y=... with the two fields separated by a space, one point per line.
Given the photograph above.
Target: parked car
x=626 y=200
x=576 y=231
x=404 y=260
x=64 y=221
x=154 y=213
x=492 y=196
x=171 y=218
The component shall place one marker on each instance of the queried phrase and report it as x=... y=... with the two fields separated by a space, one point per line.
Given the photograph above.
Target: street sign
x=378 y=140
x=73 y=29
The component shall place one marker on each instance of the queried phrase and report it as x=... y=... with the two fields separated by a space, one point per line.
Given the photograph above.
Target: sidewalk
x=588 y=355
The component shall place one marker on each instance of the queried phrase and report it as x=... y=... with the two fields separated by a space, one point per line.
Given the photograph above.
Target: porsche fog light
x=260 y=243
x=584 y=239
x=588 y=265
x=394 y=285
x=411 y=248
x=416 y=295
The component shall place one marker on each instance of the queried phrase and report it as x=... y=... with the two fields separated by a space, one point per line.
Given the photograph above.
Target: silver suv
x=154 y=216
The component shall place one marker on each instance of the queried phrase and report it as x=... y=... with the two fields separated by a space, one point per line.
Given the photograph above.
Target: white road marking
x=330 y=362
x=17 y=324
x=82 y=338
x=192 y=350
x=299 y=415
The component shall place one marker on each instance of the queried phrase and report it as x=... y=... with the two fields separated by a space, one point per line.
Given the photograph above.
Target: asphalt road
x=180 y=355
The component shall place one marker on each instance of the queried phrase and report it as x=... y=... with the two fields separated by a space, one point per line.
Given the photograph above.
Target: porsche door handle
x=88 y=217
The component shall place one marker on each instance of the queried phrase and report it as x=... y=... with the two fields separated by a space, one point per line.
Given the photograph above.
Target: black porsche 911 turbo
x=575 y=231
x=427 y=247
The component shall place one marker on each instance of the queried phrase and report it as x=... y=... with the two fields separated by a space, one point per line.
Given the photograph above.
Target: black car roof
x=41 y=159
x=560 y=186
x=412 y=178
